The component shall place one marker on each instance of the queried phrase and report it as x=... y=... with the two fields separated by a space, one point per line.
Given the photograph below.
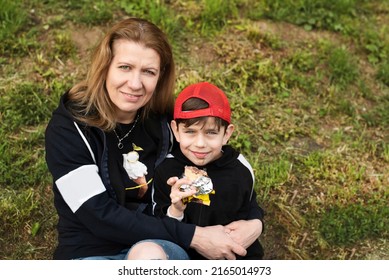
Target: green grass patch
x=13 y=19
x=25 y=105
x=16 y=168
x=271 y=175
x=379 y=114
x=383 y=73
x=16 y=32
x=158 y=13
x=350 y=224
x=16 y=207
x=375 y=43
x=343 y=69
x=325 y=14
x=215 y=14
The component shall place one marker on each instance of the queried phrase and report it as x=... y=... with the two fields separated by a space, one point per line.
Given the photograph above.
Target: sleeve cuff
x=171 y=216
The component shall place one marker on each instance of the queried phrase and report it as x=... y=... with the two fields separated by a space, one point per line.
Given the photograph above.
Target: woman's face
x=132 y=78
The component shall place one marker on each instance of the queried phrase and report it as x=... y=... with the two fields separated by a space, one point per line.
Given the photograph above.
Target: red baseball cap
x=214 y=96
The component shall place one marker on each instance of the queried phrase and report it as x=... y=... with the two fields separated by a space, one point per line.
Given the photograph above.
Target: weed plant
x=307 y=82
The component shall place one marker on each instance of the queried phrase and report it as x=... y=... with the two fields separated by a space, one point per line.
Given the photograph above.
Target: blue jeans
x=172 y=251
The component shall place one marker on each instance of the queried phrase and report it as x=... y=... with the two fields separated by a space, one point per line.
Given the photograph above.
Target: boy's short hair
x=214 y=97
x=194 y=104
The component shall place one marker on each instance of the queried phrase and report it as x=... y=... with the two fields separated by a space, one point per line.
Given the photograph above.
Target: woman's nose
x=134 y=81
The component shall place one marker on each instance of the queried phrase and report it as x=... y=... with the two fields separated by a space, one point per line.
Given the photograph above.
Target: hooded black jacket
x=234 y=198
x=93 y=218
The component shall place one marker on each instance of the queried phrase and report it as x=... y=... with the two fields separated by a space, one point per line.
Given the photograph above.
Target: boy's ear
x=174 y=127
x=229 y=130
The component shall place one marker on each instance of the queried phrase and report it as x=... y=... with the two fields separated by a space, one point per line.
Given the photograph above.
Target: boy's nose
x=200 y=141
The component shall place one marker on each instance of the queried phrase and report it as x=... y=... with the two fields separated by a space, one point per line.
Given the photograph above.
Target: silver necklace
x=120 y=144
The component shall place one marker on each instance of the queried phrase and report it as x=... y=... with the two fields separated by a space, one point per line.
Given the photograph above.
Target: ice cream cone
x=142 y=183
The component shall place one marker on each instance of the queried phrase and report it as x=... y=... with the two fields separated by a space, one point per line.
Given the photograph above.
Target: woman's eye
x=150 y=72
x=124 y=67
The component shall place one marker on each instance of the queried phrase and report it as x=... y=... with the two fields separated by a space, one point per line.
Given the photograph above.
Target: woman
x=102 y=145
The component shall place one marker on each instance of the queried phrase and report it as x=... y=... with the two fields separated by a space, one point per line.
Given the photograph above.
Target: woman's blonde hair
x=90 y=101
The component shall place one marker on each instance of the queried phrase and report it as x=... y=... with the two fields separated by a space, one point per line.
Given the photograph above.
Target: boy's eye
x=212 y=132
x=189 y=131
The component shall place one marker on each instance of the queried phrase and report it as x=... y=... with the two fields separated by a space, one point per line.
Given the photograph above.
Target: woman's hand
x=244 y=232
x=177 y=207
x=214 y=243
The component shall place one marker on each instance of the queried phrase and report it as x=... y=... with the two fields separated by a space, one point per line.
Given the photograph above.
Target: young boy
x=202 y=126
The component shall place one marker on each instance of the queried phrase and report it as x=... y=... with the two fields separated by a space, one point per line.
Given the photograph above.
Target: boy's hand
x=176 y=195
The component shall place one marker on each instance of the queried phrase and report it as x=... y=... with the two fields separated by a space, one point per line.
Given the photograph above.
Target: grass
x=12 y=17
x=307 y=81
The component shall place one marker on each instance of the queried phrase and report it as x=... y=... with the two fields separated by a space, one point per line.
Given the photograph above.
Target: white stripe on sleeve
x=79 y=185
x=85 y=141
x=244 y=161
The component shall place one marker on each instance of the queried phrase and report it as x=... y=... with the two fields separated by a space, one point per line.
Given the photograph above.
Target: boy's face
x=202 y=142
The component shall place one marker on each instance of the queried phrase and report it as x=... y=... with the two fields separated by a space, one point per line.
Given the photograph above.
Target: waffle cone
x=141 y=181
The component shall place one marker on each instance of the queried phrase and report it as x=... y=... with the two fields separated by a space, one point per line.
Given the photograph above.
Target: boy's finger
x=172 y=180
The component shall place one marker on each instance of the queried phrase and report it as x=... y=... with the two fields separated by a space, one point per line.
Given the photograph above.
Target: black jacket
x=93 y=216
x=234 y=198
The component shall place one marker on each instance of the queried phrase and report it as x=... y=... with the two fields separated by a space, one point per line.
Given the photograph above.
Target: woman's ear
x=174 y=127
x=229 y=130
